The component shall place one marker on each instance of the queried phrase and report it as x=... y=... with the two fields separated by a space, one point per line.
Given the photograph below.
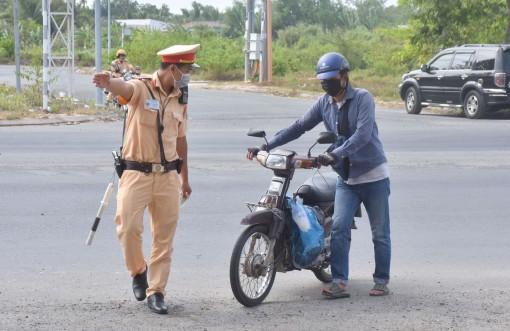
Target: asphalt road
x=450 y=182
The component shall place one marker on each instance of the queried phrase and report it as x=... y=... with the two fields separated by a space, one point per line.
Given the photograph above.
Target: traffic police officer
x=147 y=180
x=119 y=67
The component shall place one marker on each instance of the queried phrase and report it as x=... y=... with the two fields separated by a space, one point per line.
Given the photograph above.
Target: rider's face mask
x=184 y=81
x=332 y=86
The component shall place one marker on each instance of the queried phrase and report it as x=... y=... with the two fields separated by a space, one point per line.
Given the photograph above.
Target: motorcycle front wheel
x=323 y=273
x=250 y=279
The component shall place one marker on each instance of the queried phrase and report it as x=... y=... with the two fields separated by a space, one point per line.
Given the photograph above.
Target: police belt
x=153 y=167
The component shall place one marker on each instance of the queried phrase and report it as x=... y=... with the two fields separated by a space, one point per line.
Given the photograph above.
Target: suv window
x=485 y=60
x=442 y=62
x=506 y=61
x=462 y=61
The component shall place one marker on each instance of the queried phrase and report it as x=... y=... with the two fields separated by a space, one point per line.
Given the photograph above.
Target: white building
x=143 y=24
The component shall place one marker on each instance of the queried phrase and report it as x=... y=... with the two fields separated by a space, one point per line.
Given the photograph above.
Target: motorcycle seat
x=319 y=188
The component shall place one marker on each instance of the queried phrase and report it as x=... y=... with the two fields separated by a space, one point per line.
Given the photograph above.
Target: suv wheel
x=413 y=101
x=474 y=105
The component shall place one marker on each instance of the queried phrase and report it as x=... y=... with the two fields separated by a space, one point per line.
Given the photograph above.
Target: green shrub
x=7 y=49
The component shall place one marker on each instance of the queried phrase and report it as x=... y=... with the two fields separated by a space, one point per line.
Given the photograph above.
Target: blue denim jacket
x=363 y=147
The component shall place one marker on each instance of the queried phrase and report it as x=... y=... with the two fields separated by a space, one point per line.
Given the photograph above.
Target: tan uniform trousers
x=160 y=192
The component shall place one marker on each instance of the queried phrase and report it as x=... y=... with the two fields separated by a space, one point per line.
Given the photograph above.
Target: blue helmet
x=331 y=64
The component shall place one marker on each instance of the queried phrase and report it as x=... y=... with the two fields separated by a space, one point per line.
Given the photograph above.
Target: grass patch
x=21 y=105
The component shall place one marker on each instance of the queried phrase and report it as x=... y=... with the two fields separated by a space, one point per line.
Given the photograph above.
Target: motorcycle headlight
x=276 y=162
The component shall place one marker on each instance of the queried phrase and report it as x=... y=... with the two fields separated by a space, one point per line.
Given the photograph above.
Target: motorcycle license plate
x=274 y=187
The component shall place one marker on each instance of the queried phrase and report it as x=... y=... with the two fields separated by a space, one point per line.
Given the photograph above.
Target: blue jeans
x=348 y=198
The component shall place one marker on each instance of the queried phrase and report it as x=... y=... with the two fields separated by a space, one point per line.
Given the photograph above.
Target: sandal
x=335 y=292
x=382 y=288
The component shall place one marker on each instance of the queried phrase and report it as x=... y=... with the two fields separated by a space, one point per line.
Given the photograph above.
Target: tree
x=234 y=20
x=439 y=23
x=507 y=36
x=370 y=12
x=200 y=12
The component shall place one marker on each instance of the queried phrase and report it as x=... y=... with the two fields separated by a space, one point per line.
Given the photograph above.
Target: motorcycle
x=264 y=248
x=126 y=75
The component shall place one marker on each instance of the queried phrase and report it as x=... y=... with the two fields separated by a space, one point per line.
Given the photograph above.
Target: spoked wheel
x=250 y=279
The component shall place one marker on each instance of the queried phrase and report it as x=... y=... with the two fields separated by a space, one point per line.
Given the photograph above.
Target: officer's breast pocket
x=173 y=120
x=148 y=117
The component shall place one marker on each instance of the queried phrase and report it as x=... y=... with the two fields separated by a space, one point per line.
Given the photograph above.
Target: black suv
x=473 y=77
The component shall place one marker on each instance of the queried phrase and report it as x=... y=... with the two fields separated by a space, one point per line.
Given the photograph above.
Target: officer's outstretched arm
x=115 y=85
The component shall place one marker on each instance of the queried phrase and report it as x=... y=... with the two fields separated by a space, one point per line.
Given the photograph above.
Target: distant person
x=118 y=69
x=154 y=153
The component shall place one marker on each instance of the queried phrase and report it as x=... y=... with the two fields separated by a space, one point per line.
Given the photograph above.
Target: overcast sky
x=176 y=5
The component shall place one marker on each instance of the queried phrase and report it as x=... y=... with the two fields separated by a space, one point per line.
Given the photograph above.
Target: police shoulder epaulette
x=143 y=76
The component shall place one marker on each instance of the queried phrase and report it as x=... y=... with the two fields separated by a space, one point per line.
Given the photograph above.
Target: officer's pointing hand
x=101 y=79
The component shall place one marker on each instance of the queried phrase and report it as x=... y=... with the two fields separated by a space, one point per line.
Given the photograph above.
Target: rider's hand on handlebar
x=253 y=151
x=327 y=159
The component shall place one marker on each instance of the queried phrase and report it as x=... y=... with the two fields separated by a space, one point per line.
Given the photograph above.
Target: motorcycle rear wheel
x=249 y=281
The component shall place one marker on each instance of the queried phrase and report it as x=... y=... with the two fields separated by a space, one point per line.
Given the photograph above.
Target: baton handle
x=104 y=203
x=90 y=237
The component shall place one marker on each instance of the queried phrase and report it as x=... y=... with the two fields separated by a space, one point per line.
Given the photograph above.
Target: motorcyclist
x=119 y=67
x=358 y=158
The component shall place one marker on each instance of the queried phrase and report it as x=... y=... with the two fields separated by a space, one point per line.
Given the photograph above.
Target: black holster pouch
x=119 y=165
x=178 y=166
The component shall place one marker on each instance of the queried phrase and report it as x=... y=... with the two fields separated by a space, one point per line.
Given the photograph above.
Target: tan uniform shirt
x=116 y=65
x=141 y=136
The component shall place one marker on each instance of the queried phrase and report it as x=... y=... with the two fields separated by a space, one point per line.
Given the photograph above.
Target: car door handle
x=464 y=76
x=439 y=77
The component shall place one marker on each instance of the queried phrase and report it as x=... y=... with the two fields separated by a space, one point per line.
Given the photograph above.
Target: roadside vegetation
x=381 y=42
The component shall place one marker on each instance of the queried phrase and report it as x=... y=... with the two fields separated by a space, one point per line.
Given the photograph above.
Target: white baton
x=104 y=203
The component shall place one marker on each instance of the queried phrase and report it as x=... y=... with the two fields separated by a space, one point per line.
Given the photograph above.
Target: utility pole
x=46 y=51
x=258 y=47
x=16 y=46
x=99 y=59
x=247 y=38
x=265 y=74
x=109 y=27
x=269 y=63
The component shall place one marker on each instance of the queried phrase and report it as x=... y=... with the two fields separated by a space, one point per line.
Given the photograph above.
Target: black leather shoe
x=157 y=304
x=140 y=285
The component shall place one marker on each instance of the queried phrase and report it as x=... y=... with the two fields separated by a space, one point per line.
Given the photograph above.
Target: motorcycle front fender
x=258 y=217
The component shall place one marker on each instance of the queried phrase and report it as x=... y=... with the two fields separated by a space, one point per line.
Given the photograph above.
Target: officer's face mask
x=185 y=78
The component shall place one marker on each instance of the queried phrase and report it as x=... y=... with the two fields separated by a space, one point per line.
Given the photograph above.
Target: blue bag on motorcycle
x=307 y=235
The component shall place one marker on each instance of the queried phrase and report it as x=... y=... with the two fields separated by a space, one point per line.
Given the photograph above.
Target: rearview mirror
x=326 y=138
x=256 y=133
x=424 y=68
